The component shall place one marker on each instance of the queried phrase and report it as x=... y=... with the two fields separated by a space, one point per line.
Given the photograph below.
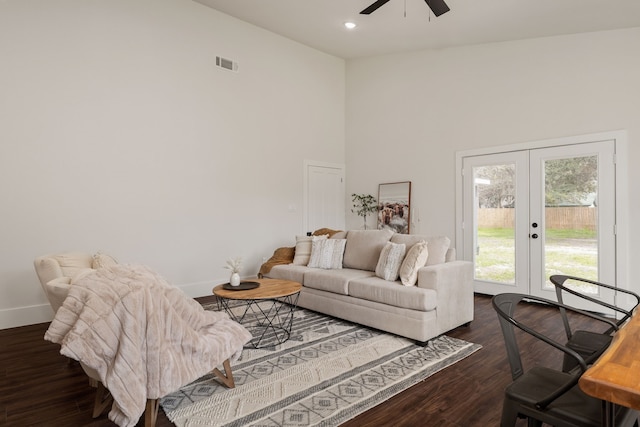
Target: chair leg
x=104 y=398
x=151 y=413
x=509 y=414
x=533 y=423
x=227 y=377
x=102 y=401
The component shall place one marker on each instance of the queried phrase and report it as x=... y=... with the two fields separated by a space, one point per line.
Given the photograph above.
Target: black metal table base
x=268 y=320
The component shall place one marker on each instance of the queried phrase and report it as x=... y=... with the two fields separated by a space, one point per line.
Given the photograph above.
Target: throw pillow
x=303 y=249
x=390 y=260
x=101 y=260
x=415 y=259
x=438 y=247
x=327 y=253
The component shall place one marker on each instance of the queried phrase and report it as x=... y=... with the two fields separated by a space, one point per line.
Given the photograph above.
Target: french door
x=529 y=214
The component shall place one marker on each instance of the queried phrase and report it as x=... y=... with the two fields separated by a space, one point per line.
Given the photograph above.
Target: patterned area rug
x=328 y=372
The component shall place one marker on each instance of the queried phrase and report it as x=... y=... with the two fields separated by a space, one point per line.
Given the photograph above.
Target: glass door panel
x=495 y=259
x=571 y=211
x=497 y=221
x=572 y=200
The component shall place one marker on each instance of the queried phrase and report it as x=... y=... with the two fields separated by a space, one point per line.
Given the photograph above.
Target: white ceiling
x=319 y=23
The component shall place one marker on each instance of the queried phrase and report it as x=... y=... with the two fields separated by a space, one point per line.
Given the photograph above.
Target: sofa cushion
x=413 y=261
x=303 y=248
x=363 y=248
x=288 y=272
x=72 y=262
x=392 y=293
x=390 y=260
x=327 y=253
x=336 y=281
x=438 y=246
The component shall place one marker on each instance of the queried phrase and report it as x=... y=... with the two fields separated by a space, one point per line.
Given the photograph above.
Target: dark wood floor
x=39 y=387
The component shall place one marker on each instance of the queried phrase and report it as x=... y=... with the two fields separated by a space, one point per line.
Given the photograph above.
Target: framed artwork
x=394 y=206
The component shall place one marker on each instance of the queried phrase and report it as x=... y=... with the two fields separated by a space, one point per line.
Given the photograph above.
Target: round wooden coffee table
x=266 y=311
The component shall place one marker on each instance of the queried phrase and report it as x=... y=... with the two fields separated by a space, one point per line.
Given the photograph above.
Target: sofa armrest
x=447 y=274
x=453 y=283
x=57 y=291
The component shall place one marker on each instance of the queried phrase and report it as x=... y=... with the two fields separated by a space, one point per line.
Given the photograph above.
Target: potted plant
x=363 y=205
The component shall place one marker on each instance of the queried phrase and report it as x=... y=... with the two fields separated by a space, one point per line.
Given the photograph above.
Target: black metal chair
x=589 y=344
x=542 y=394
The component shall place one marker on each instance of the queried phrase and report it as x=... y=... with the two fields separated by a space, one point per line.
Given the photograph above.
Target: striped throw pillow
x=327 y=254
x=390 y=261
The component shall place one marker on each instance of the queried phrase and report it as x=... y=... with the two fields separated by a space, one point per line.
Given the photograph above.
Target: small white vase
x=235 y=279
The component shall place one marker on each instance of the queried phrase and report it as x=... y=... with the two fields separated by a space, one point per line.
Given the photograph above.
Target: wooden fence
x=572 y=217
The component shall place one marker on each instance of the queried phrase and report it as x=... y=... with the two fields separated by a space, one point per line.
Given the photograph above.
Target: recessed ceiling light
x=350 y=25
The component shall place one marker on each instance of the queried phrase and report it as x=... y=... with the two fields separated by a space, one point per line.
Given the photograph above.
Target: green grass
x=495 y=255
x=570 y=252
x=501 y=233
x=508 y=233
x=571 y=234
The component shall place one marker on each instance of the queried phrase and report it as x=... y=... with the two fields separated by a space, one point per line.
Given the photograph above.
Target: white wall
x=408 y=114
x=118 y=133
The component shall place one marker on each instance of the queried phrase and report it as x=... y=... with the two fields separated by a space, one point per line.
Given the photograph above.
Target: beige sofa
x=440 y=300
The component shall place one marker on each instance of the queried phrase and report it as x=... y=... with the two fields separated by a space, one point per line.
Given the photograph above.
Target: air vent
x=227 y=64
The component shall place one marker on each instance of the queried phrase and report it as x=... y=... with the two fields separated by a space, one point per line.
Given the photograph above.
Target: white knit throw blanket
x=144 y=337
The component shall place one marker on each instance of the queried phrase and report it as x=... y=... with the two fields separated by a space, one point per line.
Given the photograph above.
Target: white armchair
x=59 y=273
x=56 y=272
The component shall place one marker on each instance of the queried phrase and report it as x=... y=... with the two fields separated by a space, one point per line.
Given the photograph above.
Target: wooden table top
x=268 y=289
x=615 y=376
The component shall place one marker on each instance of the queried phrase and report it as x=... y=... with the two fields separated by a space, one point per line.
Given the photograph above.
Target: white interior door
x=324 y=196
x=529 y=214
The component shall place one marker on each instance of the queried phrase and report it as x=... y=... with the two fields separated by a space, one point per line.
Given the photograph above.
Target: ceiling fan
x=438 y=7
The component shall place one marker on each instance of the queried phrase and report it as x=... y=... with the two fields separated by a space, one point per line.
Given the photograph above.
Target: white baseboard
x=199 y=289
x=30 y=315
x=21 y=316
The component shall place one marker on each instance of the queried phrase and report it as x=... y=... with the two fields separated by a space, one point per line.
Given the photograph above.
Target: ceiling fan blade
x=438 y=7
x=374 y=7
